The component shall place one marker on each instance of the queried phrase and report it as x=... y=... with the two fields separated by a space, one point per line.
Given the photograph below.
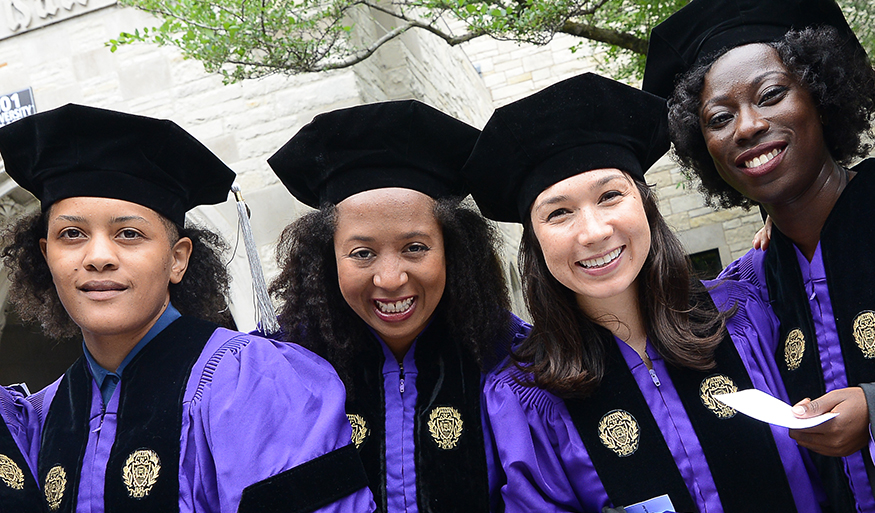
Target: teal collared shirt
x=107 y=381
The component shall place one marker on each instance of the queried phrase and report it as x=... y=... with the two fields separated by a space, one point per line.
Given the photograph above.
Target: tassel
x=265 y=315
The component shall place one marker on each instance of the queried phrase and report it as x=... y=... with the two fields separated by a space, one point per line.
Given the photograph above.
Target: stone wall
x=699 y=227
x=420 y=65
x=512 y=71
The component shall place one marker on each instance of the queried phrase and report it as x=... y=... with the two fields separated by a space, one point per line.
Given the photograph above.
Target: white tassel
x=265 y=315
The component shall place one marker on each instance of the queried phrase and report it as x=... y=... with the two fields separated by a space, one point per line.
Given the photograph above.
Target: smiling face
x=391 y=268
x=112 y=262
x=594 y=235
x=761 y=126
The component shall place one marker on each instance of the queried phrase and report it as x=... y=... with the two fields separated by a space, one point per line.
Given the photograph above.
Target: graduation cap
x=76 y=150
x=580 y=124
x=704 y=27
x=391 y=144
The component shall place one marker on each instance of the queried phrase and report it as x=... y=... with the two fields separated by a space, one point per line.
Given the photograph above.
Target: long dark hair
x=202 y=293
x=314 y=314
x=565 y=352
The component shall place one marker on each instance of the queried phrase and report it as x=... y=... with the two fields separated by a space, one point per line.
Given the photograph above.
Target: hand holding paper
x=761 y=406
x=845 y=435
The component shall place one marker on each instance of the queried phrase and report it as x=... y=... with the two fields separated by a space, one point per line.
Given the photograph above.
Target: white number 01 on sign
x=16 y=105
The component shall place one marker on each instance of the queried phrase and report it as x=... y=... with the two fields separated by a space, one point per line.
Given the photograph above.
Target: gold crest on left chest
x=864 y=333
x=715 y=385
x=445 y=425
x=140 y=472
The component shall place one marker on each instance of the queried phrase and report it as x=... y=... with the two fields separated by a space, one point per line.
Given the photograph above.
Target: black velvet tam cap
x=76 y=150
x=391 y=144
x=580 y=124
x=704 y=27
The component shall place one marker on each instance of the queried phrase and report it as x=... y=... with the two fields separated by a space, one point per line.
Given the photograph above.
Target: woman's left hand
x=841 y=436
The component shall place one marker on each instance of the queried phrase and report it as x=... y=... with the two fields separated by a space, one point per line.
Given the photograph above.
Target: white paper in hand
x=761 y=406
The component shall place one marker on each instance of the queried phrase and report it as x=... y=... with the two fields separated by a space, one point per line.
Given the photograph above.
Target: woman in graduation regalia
x=772 y=116
x=166 y=410
x=611 y=401
x=396 y=281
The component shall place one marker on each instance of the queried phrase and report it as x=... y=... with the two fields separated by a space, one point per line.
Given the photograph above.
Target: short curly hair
x=314 y=314
x=834 y=70
x=202 y=293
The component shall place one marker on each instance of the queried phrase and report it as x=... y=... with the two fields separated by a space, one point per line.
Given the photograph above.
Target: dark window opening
x=706 y=264
x=30 y=357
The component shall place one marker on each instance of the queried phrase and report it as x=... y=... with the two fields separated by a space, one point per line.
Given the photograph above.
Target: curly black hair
x=314 y=314
x=202 y=293
x=834 y=70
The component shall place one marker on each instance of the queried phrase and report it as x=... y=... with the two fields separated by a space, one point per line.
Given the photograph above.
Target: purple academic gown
x=399 y=384
x=252 y=408
x=547 y=468
x=750 y=268
x=20 y=418
x=400 y=390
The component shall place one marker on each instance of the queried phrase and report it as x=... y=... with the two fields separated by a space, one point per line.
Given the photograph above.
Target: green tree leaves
x=253 y=38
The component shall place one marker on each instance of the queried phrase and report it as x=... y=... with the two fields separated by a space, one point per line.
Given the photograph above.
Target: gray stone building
x=53 y=52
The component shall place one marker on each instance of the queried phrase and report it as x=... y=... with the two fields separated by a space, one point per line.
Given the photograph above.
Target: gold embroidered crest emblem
x=445 y=425
x=794 y=349
x=140 y=472
x=360 y=430
x=56 y=483
x=619 y=432
x=10 y=473
x=864 y=333
x=716 y=385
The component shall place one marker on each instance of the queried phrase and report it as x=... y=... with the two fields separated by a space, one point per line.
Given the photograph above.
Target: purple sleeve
x=259 y=408
x=23 y=423
x=495 y=474
x=750 y=269
x=519 y=330
x=544 y=465
x=753 y=328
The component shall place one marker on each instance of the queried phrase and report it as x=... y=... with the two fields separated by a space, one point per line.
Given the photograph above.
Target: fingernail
x=798 y=410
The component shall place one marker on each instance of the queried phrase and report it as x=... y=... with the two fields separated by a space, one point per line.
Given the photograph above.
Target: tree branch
x=449 y=38
x=271 y=39
x=168 y=14
x=612 y=37
x=592 y=10
x=363 y=54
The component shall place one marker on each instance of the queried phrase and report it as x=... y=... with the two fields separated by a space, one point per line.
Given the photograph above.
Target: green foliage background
x=253 y=38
